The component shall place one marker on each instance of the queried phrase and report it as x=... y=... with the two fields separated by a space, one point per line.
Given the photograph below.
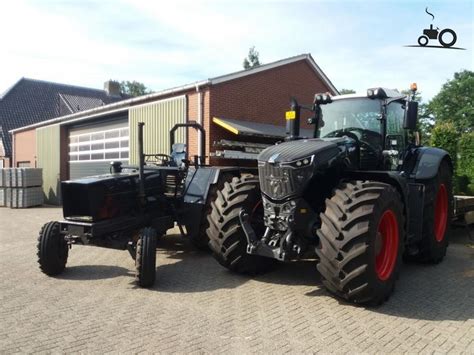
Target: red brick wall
x=264 y=97
x=193 y=115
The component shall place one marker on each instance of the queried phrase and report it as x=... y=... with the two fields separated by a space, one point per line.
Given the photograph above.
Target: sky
x=163 y=44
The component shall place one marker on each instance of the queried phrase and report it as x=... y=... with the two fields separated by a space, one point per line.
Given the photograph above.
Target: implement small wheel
x=361 y=241
x=145 y=261
x=437 y=214
x=53 y=249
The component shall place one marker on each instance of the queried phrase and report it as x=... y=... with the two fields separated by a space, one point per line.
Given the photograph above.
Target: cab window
x=396 y=135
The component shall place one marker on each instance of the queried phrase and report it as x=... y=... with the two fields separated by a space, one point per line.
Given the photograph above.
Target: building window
x=23 y=164
x=99 y=146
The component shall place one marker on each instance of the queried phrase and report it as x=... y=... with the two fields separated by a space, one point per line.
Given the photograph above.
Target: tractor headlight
x=322 y=99
x=376 y=93
x=301 y=163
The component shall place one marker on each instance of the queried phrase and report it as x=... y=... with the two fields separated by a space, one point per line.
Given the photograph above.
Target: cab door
x=396 y=139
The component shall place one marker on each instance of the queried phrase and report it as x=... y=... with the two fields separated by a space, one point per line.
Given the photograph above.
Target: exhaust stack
x=293 y=121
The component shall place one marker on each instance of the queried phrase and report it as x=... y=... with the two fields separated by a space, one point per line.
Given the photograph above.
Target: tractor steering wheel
x=349 y=132
x=160 y=159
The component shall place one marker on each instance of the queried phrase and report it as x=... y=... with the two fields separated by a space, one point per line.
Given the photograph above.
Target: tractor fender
x=199 y=181
x=428 y=161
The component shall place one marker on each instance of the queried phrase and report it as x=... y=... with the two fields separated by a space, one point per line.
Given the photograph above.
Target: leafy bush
x=444 y=136
x=466 y=155
x=466 y=162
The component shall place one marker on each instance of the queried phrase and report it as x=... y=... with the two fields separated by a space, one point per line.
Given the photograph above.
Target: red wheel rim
x=386 y=256
x=441 y=213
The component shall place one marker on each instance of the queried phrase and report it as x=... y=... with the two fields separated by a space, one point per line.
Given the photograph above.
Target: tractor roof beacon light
x=413 y=89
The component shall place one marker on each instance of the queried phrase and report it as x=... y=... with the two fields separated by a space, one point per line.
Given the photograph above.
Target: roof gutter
x=107 y=109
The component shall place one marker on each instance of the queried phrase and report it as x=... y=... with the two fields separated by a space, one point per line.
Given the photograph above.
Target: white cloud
x=164 y=44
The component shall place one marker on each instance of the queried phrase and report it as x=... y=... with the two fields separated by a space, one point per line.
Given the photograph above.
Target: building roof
x=122 y=105
x=307 y=57
x=80 y=103
x=31 y=101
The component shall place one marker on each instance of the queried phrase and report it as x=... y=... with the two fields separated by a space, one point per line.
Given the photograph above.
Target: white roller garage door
x=93 y=147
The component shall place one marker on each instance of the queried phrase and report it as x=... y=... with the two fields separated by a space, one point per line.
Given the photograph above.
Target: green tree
x=346 y=91
x=253 y=59
x=466 y=162
x=455 y=102
x=445 y=136
x=134 y=88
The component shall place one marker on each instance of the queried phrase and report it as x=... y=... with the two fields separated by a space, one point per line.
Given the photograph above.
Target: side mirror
x=411 y=115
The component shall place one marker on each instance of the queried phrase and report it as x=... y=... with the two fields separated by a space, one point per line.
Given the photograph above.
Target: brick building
x=248 y=105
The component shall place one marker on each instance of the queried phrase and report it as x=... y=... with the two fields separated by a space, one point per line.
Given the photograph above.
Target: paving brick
x=197 y=306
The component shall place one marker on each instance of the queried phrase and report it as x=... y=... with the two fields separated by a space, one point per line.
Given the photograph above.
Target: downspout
x=199 y=120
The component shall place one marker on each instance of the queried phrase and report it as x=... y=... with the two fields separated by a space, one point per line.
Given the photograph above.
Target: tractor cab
x=377 y=122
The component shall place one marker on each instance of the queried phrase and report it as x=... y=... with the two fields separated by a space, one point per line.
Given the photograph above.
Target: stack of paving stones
x=21 y=187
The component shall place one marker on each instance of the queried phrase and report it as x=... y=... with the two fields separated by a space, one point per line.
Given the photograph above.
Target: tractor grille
x=279 y=182
x=174 y=183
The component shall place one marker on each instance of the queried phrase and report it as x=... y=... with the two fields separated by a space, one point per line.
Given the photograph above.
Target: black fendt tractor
x=359 y=196
x=133 y=206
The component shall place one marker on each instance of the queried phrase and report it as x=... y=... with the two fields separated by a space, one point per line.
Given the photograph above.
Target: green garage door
x=159 y=117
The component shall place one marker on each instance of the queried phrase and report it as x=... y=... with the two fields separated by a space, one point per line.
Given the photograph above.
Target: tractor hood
x=321 y=149
x=285 y=169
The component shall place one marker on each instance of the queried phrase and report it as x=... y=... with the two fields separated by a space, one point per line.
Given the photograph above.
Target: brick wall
x=193 y=115
x=263 y=97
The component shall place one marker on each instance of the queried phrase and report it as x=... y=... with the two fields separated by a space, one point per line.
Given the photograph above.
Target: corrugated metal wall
x=159 y=117
x=48 y=158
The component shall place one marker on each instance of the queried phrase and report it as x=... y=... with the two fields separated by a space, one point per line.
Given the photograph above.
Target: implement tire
x=361 y=241
x=53 y=249
x=145 y=261
x=226 y=237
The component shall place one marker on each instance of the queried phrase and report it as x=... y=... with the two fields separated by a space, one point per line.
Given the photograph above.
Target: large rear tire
x=201 y=240
x=361 y=241
x=145 y=261
x=437 y=215
x=53 y=249
x=226 y=237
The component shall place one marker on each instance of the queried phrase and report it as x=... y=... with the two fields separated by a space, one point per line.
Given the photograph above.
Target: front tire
x=361 y=241
x=53 y=249
x=226 y=237
x=145 y=261
x=200 y=239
